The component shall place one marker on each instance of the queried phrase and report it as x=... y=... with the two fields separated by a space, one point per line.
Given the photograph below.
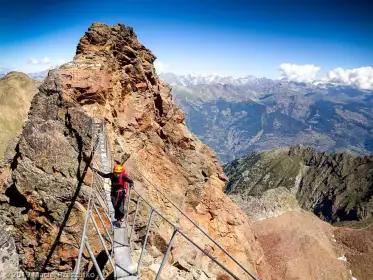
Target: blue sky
x=228 y=37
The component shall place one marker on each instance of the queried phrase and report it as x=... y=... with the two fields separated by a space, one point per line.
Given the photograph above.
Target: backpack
x=124 y=184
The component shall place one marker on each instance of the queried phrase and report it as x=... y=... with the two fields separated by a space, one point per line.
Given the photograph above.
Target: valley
x=251 y=114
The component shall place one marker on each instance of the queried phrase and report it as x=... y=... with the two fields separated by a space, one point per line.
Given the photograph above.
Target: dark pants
x=118 y=198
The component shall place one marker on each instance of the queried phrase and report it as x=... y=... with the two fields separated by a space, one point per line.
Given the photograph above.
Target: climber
x=119 y=189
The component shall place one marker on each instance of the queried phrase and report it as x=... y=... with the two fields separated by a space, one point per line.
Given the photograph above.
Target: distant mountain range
x=195 y=79
x=40 y=76
x=4 y=71
x=235 y=116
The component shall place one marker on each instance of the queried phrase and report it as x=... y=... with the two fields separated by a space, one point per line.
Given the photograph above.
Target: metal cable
x=91 y=204
x=89 y=213
x=195 y=224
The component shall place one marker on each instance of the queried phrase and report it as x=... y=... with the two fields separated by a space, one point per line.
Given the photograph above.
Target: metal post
x=166 y=254
x=77 y=266
x=94 y=260
x=146 y=239
x=134 y=219
x=128 y=204
x=211 y=257
x=198 y=227
x=190 y=241
x=103 y=243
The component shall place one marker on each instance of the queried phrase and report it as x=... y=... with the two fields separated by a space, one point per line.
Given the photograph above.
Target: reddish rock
x=300 y=246
x=141 y=85
x=357 y=245
x=88 y=177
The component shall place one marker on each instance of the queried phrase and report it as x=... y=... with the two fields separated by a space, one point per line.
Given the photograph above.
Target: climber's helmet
x=118 y=169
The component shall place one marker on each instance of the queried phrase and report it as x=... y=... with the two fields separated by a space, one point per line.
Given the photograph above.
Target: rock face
x=238 y=116
x=16 y=93
x=336 y=187
x=42 y=198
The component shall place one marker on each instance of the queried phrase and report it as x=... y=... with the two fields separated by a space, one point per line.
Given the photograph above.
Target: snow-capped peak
x=196 y=79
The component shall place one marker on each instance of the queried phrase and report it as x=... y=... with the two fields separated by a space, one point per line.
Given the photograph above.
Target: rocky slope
x=301 y=246
x=16 y=93
x=336 y=187
x=237 y=116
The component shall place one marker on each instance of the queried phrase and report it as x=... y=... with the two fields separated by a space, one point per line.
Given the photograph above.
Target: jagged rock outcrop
x=146 y=124
x=112 y=76
x=16 y=93
x=336 y=187
x=42 y=198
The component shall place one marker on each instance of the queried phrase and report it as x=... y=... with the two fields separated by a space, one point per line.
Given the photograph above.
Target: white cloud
x=45 y=60
x=299 y=73
x=359 y=77
x=35 y=61
x=160 y=66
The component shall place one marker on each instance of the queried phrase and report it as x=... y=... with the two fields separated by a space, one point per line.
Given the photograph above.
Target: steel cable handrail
x=88 y=213
x=176 y=230
x=196 y=225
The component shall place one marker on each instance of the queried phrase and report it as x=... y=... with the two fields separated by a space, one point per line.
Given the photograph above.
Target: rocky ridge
x=16 y=93
x=336 y=187
x=146 y=124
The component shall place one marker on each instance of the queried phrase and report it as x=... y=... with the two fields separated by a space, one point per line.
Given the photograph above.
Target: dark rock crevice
x=16 y=198
x=158 y=102
x=17 y=156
